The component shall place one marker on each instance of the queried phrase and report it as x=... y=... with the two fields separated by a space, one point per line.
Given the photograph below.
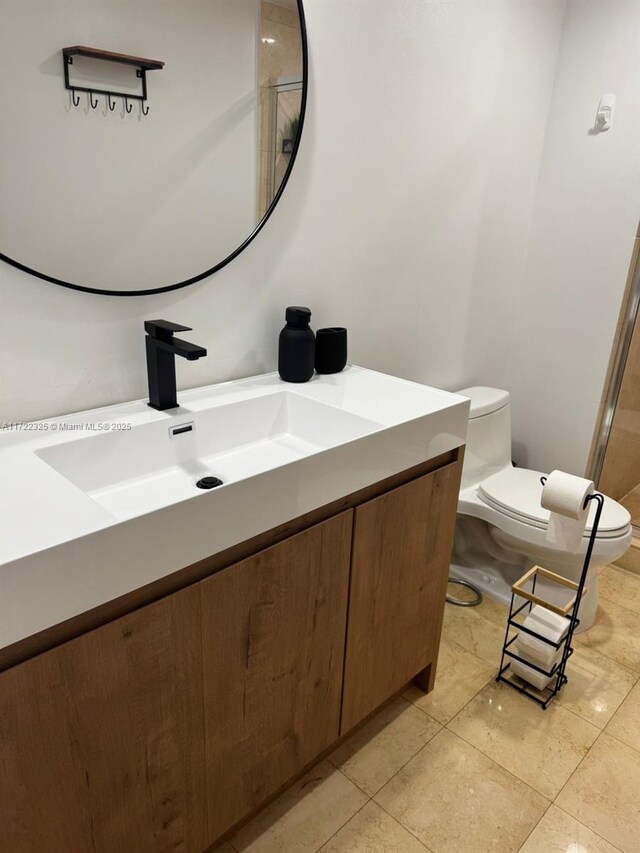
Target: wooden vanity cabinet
x=165 y=727
x=161 y=730
x=399 y=567
x=273 y=646
x=101 y=739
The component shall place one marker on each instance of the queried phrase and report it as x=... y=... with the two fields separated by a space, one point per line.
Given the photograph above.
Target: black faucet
x=162 y=349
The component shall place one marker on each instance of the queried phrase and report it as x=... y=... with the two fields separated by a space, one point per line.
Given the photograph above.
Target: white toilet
x=501 y=526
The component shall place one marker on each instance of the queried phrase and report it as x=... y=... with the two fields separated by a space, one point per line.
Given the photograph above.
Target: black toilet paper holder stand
x=569 y=610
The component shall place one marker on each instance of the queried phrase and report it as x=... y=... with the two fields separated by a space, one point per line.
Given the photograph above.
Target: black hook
x=91 y=104
x=126 y=104
x=109 y=104
x=142 y=109
x=73 y=98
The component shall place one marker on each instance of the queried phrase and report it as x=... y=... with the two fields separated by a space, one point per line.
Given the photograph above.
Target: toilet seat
x=516 y=493
x=501 y=528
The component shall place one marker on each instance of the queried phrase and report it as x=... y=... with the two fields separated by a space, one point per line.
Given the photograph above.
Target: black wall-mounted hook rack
x=141 y=64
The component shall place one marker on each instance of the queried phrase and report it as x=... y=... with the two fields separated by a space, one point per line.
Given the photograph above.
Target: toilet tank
x=489 y=435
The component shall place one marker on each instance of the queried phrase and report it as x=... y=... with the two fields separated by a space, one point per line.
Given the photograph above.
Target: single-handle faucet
x=162 y=348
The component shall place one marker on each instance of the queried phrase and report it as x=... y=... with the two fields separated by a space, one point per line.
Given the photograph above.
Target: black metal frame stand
x=557 y=672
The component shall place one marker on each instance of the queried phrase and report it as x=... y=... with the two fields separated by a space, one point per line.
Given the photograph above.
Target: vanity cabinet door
x=101 y=739
x=273 y=646
x=401 y=552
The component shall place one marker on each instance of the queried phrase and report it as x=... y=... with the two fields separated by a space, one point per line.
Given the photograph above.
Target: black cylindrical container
x=331 y=350
x=296 y=346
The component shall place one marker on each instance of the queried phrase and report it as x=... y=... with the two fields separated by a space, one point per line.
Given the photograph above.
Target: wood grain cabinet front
x=401 y=552
x=101 y=739
x=273 y=648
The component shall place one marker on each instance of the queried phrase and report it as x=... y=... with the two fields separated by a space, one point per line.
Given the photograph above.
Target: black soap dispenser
x=296 y=346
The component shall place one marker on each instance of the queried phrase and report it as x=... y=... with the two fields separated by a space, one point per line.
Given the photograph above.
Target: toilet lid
x=517 y=492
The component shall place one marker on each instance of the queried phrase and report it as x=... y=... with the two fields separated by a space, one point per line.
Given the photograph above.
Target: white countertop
x=63 y=552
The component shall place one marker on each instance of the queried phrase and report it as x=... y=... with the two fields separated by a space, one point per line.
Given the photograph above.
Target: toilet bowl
x=501 y=526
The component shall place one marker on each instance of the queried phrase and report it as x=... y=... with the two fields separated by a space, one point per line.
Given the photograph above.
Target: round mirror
x=144 y=144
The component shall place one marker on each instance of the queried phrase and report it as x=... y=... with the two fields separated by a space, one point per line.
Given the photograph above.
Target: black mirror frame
x=151 y=291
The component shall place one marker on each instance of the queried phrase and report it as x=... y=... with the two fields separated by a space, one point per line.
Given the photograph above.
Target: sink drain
x=208 y=483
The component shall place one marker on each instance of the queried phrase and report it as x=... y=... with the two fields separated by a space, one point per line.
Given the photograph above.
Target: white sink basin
x=97 y=504
x=131 y=472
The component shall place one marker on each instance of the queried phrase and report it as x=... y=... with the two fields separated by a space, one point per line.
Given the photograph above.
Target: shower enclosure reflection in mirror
x=96 y=198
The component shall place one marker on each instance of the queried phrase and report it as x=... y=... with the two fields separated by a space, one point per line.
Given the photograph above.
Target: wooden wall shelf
x=139 y=62
x=110 y=56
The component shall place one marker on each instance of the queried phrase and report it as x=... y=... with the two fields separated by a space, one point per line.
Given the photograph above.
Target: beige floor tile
x=460 y=675
x=542 y=748
x=558 y=832
x=604 y=793
x=630 y=560
x=596 y=687
x=625 y=724
x=379 y=749
x=477 y=634
x=615 y=633
x=372 y=830
x=455 y=799
x=494 y=611
x=305 y=816
x=621 y=587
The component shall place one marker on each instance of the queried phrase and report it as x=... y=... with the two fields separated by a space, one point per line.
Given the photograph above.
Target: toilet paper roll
x=564 y=496
x=551 y=625
x=538 y=679
x=547 y=624
x=537 y=652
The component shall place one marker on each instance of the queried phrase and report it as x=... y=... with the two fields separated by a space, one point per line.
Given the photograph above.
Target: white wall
x=112 y=199
x=585 y=220
x=406 y=218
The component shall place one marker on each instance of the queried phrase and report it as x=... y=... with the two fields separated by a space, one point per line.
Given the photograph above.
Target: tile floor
x=632 y=503
x=476 y=767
